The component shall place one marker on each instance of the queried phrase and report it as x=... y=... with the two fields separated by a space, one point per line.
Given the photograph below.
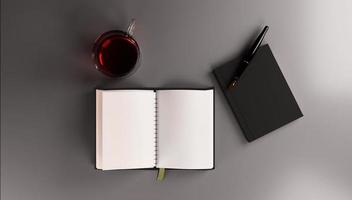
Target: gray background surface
x=48 y=100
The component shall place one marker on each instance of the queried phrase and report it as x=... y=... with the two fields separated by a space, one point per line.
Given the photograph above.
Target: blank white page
x=185 y=129
x=125 y=129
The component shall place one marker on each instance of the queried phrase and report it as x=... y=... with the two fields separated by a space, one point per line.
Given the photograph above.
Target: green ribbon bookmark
x=161 y=174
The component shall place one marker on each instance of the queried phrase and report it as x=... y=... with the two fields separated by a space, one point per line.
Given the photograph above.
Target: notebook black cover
x=262 y=101
x=169 y=88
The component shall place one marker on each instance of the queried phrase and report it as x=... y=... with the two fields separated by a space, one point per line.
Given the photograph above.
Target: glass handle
x=131 y=27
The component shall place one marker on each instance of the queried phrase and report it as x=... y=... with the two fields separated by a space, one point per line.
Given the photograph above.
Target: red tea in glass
x=116 y=53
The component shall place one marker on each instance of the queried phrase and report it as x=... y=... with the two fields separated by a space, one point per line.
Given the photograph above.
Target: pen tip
x=232 y=85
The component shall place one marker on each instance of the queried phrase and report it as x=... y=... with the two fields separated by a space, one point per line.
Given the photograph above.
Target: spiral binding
x=156 y=130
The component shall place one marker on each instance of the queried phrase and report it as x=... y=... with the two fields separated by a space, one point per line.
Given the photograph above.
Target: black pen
x=244 y=63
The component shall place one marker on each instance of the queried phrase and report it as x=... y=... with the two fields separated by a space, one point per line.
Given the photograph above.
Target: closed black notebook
x=262 y=101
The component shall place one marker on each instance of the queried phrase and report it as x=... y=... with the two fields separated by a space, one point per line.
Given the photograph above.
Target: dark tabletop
x=48 y=97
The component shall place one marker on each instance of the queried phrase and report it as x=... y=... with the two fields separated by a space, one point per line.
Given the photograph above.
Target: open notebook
x=165 y=128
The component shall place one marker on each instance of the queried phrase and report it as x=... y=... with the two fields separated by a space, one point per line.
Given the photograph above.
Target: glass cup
x=116 y=53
